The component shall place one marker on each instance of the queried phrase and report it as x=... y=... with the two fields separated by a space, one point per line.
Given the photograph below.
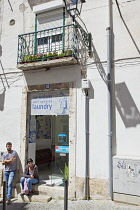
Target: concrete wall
x=126 y=105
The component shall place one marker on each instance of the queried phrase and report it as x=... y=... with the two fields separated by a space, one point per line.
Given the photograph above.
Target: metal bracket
x=86 y=36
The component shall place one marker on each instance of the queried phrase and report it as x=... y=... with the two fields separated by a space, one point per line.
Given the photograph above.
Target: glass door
x=60 y=147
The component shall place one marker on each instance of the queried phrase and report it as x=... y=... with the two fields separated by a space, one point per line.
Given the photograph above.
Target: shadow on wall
x=0 y=50
x=126 y=106
x=129 y=32
x=98 y=64
x=2 y=99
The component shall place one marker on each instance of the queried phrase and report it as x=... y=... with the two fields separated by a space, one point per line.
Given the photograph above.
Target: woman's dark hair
x=29 y=160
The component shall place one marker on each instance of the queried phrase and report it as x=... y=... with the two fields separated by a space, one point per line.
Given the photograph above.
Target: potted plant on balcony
x=29 y=58
x=68 y=53
x=55 y=55
x=39 y=57
x=61 y=55
x=43 y=57
x=49 y=56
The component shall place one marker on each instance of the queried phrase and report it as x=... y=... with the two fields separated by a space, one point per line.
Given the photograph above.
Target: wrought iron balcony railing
x=48 y=44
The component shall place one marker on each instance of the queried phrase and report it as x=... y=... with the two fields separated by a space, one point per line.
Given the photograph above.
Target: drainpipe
x=35 y=38
x=109 y=85
x=87 y=196
x=63 y=36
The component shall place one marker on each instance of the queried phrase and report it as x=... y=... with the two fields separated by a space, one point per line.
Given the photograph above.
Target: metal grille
x=48 y=44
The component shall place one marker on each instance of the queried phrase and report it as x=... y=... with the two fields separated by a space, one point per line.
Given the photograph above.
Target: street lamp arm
x=86 y=36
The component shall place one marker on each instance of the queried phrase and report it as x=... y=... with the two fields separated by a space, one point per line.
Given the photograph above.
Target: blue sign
x=62 y=138
x=62 y=149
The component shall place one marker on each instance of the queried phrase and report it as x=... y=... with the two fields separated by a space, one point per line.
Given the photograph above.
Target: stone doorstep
x=34 y=198
x=42 y=189
x=127 y=199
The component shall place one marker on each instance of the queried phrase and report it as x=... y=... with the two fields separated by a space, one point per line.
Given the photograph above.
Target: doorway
x=52 y=142
x=48 y=134
x=51 y=146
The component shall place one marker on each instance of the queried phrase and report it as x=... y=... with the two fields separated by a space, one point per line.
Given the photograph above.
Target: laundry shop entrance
x=48 y=134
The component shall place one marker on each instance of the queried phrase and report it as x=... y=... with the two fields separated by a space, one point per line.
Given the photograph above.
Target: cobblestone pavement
x=72 y=205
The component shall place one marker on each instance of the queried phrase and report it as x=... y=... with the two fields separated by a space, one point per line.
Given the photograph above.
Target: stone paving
x=72 y=205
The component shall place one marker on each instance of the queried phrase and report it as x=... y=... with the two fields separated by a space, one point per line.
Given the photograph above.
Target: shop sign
x=50 y=106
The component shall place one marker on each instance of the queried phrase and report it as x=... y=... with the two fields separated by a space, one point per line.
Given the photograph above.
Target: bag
x=26 y=190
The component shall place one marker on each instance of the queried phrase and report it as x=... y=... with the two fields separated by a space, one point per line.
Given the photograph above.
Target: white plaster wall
x=10 y=83
x=94 y=15
x=98 y=126
x=126 y=34
x=128 y=126
x=11 y=117
x=54 y=75
x=127 y=45
x=24 y=23
x=80 y=144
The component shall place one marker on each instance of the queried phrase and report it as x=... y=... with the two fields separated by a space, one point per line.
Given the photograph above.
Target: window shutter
x=50 y=19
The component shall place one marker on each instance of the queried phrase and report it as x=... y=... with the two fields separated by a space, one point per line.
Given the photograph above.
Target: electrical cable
x=127 y=27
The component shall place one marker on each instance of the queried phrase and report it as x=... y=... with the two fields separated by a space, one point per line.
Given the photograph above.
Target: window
x=49 y=43
x=42 y=41
x=57 y=38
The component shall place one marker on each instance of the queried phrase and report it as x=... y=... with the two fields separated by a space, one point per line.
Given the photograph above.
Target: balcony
x=48 y=48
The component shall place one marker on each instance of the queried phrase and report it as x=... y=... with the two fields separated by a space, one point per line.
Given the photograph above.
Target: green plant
x=45 y=55
x=28 y=58
x=68 y=52
x=65 y=173
x=39 y=56
x=50 y=55
x=61 y=55
x=55 y=54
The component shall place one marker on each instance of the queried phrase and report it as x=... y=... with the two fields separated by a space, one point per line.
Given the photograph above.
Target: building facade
x=44 y=108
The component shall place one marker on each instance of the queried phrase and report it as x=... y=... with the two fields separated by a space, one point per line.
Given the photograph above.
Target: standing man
x=9 y=159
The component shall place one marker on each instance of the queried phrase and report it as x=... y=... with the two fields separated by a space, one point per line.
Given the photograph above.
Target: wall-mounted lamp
x=74 y=8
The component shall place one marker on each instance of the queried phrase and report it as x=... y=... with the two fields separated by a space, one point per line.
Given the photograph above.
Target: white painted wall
x=94 y=14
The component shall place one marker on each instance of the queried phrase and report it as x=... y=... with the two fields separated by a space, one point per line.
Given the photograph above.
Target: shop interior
x=51 y=146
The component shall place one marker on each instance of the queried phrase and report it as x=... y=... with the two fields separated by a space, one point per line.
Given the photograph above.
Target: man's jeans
x=30 y=181
x=8 y=177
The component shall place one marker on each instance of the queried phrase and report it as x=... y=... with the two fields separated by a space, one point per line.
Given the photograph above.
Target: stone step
x=42 y=189
x=34 y=198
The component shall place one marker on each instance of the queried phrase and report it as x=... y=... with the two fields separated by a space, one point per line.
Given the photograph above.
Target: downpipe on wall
x=87 y=194
x=109 y=31
x=109 y=86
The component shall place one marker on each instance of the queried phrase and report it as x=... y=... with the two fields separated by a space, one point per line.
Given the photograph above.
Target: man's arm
x=11 y=160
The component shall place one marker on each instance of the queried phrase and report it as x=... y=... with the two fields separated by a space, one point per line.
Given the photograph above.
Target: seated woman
x=31 y=176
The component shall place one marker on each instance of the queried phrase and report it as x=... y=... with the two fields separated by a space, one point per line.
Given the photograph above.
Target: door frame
x=71 y=86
